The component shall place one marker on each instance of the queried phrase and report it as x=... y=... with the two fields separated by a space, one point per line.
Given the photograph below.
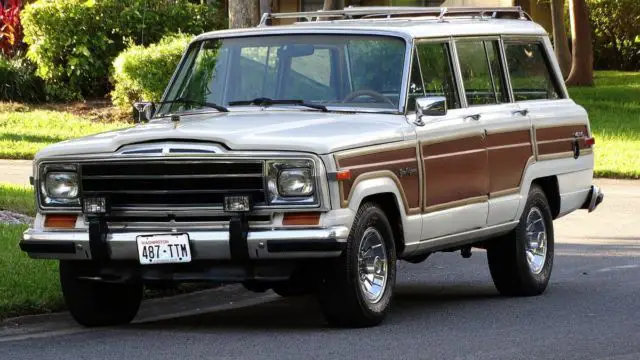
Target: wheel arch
x=551 y=189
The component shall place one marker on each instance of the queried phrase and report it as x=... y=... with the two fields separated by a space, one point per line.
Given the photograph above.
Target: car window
x=310 y=77
x=481 y=72
x=416 y=88
x=437 y=73
x=530 y=72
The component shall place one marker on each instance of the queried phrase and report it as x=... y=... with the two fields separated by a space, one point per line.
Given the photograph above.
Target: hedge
x=18 y=81
x=142 y=73
x=616 y=27
x=74 y=42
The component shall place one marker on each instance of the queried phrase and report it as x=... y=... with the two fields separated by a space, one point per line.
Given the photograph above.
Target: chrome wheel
x=536 y=245
x=372 y=265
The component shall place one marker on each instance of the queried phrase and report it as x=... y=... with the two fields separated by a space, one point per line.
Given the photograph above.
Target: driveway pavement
x=445 y=308
x=15 y=171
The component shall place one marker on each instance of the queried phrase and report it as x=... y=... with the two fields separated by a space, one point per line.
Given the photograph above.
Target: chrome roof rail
x=382 y=12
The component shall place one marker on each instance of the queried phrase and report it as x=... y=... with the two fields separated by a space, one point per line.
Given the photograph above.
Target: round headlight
x=295 y=182
x=61 y=185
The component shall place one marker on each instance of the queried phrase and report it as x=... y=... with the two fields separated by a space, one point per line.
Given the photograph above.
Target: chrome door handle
x=475 y=117
x=523 y=112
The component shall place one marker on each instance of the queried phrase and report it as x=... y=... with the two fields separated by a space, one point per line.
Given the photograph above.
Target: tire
x=93 y=303
x=509 y=256
x=342 y=297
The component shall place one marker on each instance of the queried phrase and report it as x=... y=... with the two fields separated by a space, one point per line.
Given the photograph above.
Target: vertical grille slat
x=173 y=184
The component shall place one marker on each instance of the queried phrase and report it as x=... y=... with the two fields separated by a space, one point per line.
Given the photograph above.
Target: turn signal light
x=310 y=218
x=60 y=221
x=343 y=175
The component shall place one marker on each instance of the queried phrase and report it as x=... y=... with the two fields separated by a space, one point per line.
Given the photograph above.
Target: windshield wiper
x=269 y=102
x=195 y=102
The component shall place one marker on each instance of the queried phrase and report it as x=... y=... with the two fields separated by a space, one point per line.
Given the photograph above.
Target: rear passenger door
x=507 y=130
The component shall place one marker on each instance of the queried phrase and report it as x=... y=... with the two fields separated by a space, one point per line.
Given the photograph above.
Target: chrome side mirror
x=430 y=106
x=143 y=111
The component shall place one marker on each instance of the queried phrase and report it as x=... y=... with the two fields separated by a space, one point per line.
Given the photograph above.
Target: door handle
x=475 y=117
x=523 y=112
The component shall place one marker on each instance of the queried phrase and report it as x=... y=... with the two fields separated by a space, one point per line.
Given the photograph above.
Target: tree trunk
x=582 y=62
x=243 y=14
x=333 y=5
x=560 y=40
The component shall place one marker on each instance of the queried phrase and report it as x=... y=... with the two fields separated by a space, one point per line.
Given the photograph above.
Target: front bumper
x=205 y=245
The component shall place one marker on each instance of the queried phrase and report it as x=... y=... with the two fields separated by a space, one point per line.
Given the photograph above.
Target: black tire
x=93 y=303
x=507 y=256
x=341 y=297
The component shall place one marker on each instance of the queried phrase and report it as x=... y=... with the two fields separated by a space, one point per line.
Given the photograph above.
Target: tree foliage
x=74 y=42
x=616 y=28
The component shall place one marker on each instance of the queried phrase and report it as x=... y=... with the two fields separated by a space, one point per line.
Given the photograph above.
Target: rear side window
x=531 y=76
x=481 y=72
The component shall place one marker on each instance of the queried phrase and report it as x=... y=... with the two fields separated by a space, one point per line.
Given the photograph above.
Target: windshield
x=360 y=72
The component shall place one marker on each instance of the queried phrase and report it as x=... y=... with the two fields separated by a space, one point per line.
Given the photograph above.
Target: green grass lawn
x=614 y=110
x=26 y=286
x=18 y=199
x=25 y=130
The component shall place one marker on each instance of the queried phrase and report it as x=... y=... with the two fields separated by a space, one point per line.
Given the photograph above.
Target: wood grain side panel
x=383 y=161
x=509 y=154
x=456 y=177
x=560 y=132
x=455 y=170
x=557 y=140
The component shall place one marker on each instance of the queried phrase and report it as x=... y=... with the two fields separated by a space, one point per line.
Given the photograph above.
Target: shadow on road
x=303 y=313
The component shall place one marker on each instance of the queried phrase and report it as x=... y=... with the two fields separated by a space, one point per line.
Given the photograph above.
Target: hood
x=303 y=131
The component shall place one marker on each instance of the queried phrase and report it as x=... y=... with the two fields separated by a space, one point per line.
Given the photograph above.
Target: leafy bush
x=74 y=42
x=616 y=27
x=10 y=29
x=18 y=81
x=142 y=73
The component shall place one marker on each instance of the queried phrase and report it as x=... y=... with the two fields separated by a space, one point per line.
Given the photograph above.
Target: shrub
x=18 y=81
x=10 y=28
x=142 y=73
x=616 y=28
x=74 y=42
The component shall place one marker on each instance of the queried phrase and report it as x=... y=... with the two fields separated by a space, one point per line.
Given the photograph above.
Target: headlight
x=62 y=185
x=59 y=185
x=292 y=182
x=295 y=182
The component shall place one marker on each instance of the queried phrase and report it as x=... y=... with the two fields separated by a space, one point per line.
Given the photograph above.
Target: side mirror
x=143 y=111
x=430 y=106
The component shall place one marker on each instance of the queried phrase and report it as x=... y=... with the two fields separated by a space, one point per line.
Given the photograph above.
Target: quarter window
x=437 y=73
x=530 y=73
x=481 y=72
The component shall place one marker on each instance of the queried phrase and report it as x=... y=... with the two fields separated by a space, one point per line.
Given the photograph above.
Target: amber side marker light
x=60 y=221
x=310 y=218
x=343 y=175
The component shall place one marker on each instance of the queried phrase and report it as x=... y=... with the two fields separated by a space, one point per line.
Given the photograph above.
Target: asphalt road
x=445 y=308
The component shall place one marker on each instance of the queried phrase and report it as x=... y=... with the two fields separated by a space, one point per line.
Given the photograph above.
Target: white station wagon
x=310 y=158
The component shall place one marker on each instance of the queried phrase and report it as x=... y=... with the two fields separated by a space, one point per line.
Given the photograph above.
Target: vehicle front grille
x=173 y=184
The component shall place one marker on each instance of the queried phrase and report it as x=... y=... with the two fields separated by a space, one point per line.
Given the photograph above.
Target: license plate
x=164 y=249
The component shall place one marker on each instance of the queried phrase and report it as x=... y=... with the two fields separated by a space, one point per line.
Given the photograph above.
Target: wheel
x=94 y=303
x=358 y=289
x=521 y=262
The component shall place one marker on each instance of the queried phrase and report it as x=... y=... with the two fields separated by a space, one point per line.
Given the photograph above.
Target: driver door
x=454 y=156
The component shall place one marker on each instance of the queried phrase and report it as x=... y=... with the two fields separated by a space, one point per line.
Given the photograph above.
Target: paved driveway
x=445 y=308
x=15 y=171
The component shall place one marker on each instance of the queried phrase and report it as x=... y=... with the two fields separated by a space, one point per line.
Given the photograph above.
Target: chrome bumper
x=205 y=245
x=594 y=199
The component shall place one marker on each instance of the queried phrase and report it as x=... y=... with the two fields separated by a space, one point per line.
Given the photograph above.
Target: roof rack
x=382 y=12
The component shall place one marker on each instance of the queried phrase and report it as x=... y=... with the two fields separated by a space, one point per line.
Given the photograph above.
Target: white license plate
x=164 y=249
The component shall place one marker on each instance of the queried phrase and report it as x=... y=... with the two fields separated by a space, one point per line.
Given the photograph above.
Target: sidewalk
x=15 y=171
